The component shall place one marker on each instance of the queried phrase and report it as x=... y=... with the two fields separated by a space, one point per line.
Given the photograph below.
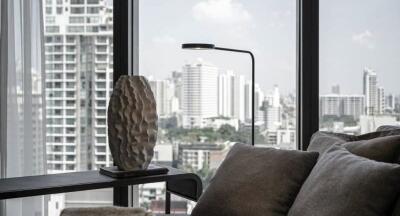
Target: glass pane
x=359 y=65
x=79 y=55
x=204 y=96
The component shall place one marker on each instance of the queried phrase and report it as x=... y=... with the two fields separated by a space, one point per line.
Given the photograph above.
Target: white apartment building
x=370 y=90
x=197 y=156
x=164 y=93
x=225 y=94
x=341 y=105
x=353 y=105
x=272 y=110
x=79 y=64
x=390 y=102
x=381 y=100
x=200 y=94
x=259 y=97
x=231 y=95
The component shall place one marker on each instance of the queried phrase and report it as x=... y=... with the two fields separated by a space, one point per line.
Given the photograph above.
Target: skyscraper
x=176 y=79
x=200 y=94
x=341 y=105
x=164 y=92
x=238 y=97
x=390 y=102
x=225 y=95
x=259 y=98
x=353 y=105
x=79 y=58
x=330 y=105
x=370 y=91
x=381 y=100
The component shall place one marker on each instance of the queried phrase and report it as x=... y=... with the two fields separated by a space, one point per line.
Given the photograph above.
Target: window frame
x=307 y=71
x=126 y=62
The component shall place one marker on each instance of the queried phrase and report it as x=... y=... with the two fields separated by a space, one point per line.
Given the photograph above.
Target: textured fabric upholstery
x=343 y=183
x=256 y=181
x=383 y=146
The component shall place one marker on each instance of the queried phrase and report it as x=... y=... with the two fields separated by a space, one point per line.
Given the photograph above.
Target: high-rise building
x=238 y=97
x=164 y=93
x=330 y=105
x=259 y=98
x=176 y=79
x=258 y=102
x=381 y=100
x=200 y=94
x=341 y=105
x=390 y=102
x=272 y=110
x=225 y=95
x=370 y=90
x=353 y=105
x=247 y=101
x=79 y=64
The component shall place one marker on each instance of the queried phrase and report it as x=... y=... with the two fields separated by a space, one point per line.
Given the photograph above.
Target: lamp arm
x=253 y=89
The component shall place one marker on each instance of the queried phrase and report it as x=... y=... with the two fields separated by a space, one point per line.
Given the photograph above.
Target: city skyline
x=268 y=28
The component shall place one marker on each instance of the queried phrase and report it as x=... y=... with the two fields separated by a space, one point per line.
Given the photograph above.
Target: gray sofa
x=373 y=153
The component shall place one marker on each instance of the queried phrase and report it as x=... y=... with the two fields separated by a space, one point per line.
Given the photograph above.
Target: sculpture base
x=114 y=172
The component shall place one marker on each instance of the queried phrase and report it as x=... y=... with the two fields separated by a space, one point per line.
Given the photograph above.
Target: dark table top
x=90 y=180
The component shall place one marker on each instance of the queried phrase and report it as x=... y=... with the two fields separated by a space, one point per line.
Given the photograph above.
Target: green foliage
x=224 y=133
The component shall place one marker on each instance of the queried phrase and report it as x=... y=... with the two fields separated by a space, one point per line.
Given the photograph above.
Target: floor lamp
x=203 y=46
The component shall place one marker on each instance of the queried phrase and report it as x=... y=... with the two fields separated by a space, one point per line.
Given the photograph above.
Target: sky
x=354 y=34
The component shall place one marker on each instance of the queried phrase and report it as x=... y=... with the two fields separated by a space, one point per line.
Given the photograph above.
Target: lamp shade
x=198 y=46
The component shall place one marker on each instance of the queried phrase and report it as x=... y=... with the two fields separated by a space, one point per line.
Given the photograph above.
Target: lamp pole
x=200 y=46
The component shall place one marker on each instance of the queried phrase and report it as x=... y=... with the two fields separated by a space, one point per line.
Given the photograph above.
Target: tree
x=226 y=131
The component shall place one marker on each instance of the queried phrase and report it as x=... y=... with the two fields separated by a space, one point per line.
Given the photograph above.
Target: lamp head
x=198 y=46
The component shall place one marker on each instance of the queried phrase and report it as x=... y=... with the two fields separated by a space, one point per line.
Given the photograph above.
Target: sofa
x=339 y=174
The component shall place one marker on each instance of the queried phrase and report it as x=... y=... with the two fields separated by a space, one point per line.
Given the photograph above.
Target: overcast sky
x=354 y=34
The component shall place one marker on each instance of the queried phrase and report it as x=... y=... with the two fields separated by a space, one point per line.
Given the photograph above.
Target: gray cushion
x=388 y=127
x=105 y=211
x=383 y=149
x=256 y=181
x=342 y=183
x=394 y=130
x=322 y=141
x=379 y=146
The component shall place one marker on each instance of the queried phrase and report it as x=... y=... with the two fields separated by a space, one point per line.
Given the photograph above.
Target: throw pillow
x=256 y=181
x=342 y=183
x=379 y=146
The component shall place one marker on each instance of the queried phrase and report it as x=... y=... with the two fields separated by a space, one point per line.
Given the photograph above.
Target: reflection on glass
x=204 y=97
x=358 y=69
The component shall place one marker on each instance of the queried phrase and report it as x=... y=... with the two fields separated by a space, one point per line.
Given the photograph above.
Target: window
x=59 y=10
x=76 y=20
x=75 y=29
x=93 y=10
x=358 y=65
x=77 y=10
x=52 y=29
x=204 y=97
x=92 y=1
x=77 y=2
x=70 y=86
